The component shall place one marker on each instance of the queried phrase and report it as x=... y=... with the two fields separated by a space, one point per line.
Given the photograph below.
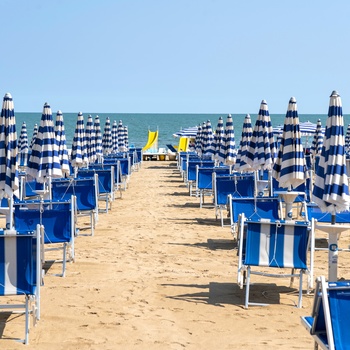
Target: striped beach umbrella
x=62 y=143
x=208 y=138
x=261 y=150
x=44 y=162
x=98 y=139
x=198 y=141
x=107 y=145
x=347 y=140
x=121 y=137
x=23 y=145
x=9 y=183
x=35 y=133
x=126 y=137
x=290 y=165
x=317 y=141
x=115 y=137
x=331 y=191
x=230 y=143
x=247 y=132
x=90 y=140
x=218 y=140
x=79 y=152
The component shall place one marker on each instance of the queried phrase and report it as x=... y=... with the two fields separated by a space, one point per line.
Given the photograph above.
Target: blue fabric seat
x=20 y=274
x=273 y=244
x=57 y=219
x=329 y=320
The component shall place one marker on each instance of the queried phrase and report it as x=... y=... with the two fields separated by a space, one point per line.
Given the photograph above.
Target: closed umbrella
x=331 y=192
x=23 y=145
x=290 y=167
x=121 y=137
x=9 y=183
x=317 y=143
x=90 y=140
x=98 y=139
x=218 y=140
x=331 y=187
x=230 y=143
x=247 y=132
x=208 y=138
x=126 y=138
x=79 y=153
x=62 y=143
x=44 y=162
x=261 y=150
x=35 y=133
x=107 y=145
x=115 y=137
x=198 y=141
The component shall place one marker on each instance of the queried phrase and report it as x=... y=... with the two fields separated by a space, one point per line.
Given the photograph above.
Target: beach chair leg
x=247 y=287
x=300 y=300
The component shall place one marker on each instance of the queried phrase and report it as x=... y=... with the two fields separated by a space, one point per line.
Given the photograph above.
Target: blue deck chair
x=191 y=176
x=86 y=196
x=204 y=180
x=57 y=219
x=238 y=185
x=272 y=244
x=329 y=320
x=20 y=274
x=258 y=208
x=105 y=184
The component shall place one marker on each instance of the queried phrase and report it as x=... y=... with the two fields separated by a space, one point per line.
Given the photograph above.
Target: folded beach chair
x=85 y=191
x=20 y=274
x=329 y=320
x=265 y=245
x=57 y=219
x=238 y=185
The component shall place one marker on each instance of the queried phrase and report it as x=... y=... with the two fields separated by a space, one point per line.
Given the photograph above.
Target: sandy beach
x=160 y=273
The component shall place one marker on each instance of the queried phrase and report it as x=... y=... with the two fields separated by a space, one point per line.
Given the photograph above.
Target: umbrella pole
x=332 y=252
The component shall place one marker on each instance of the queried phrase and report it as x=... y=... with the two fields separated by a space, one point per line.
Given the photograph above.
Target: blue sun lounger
x=20 y=274
x=329 y=320
x=85 y=191
x=275 y=245
x=57 y=219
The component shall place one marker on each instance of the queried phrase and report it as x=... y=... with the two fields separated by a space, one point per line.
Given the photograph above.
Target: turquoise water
x=166 y=124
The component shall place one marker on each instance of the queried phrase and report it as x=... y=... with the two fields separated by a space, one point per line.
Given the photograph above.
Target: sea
x=167 y=124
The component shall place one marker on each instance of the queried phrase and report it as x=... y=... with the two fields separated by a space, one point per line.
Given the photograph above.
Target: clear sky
x=174 y=56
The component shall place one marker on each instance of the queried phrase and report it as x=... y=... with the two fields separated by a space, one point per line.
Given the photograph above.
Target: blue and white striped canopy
x=247 y=132
x=90 y=140
x=219 y=138
x=115 y=137
x=23 y=139
x=79 y=152
x=62 y=143
x=98 y=139
x=44 y=161
x=35 y=134
x=107 y=145
x=8 y=149
x=126 y=137
x=347 y=140
x=230 y=143
x=208 y=139
x=121 y=137
x=198 y=141
x=331 y=190
x=290 y=166
x=317 y=141
x=261 y=151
